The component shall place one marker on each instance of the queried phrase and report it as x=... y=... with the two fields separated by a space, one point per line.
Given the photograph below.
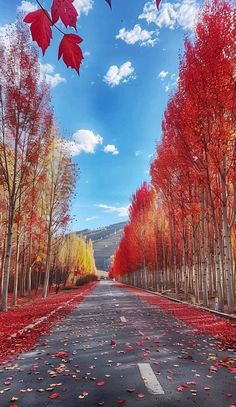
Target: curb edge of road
x=217 y=313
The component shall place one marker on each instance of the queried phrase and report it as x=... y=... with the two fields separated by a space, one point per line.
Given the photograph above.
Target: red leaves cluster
x=17 y=319
x=41 y=23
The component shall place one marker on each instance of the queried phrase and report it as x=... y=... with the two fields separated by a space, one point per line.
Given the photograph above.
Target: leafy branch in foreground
x=42 y=21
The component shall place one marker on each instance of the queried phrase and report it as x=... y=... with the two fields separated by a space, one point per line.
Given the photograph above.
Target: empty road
x=116 y=349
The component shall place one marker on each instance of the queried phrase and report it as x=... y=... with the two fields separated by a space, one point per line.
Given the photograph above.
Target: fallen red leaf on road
x=54 y=396
x=100 y=383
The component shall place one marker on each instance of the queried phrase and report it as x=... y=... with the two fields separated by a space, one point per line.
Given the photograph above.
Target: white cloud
x=83 y=141
x=91 y=218
x=116 y=75
x=47 y=72
x=162 y=75
x=143 y=37
x=83 y=6
x=111 y=148
x=26 y=7
x=171 y=15
x=122 y=211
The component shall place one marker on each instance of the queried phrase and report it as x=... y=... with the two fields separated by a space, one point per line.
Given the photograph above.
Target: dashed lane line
x=149 y=378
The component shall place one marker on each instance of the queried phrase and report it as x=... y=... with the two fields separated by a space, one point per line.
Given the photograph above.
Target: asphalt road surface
x=116 y=349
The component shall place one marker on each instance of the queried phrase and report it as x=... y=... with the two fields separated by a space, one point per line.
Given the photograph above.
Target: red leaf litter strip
x=21 y=328
x=202 y=321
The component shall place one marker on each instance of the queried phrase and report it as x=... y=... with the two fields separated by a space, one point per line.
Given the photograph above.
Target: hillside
x=105 y=241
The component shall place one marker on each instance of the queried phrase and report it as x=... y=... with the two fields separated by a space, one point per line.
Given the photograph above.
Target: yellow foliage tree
x=76 y=257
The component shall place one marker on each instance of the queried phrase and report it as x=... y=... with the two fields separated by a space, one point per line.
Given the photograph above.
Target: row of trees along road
x=37 y=175
x=182 y=230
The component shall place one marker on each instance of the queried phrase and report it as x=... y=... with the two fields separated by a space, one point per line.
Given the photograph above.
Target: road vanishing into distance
x=116 y=349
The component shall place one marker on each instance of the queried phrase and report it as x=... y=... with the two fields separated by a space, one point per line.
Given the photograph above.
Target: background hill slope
x=105 y=242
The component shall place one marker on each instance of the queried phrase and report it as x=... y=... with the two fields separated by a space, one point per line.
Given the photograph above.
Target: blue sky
x=111 y=114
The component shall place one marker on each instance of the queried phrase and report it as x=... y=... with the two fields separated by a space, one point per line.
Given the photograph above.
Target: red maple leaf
x=64 y=10
x=70 y=51
x=40 y=28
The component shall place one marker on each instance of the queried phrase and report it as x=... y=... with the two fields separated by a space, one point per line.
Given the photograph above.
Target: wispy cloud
x=111 y=148
x=117 y=75
x=122 y=211
x=169 y=80
x=172 y=15
x=163 y=74
x=142 y=154
x=138 y=35
x=138 y=153
x=47 y=72
x=91 y=218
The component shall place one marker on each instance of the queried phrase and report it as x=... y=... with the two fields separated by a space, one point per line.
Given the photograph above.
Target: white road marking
x=123 y=319
x=150 y=379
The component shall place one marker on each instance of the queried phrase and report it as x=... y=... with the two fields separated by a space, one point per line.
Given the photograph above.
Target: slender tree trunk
x=217 y=248
x=227 y=249
x=16 y=276
x=30 y=268
x=184 y=268
x=7 y=262
x=47 y=268
x=203 y=253
x=194 y=266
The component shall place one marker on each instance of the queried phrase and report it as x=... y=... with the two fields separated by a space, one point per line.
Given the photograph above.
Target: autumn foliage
x=21 y=328
x=43 y=21
x=37 y=179
x=181 y=231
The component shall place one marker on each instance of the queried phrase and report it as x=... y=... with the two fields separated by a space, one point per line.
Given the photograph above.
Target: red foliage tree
x=193 y=172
